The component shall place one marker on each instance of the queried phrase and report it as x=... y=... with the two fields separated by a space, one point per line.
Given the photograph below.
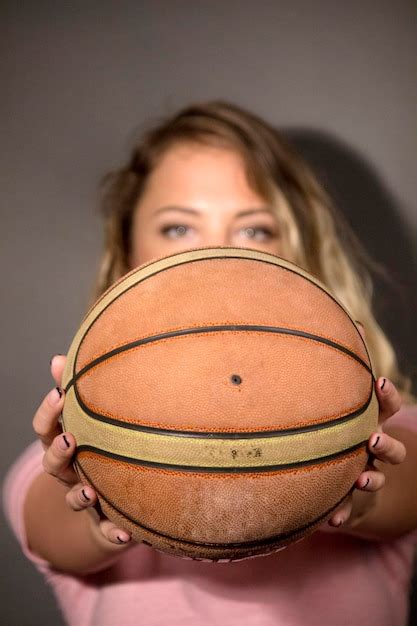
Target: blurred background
x=82 y=79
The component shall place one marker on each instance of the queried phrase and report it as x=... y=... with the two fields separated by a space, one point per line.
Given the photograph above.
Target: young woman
x=217 y=175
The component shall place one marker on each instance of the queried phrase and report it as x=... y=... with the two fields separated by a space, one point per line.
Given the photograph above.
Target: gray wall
x=81 y=77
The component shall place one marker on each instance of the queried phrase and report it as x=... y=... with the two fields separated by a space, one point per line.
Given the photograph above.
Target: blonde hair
x=304 y=211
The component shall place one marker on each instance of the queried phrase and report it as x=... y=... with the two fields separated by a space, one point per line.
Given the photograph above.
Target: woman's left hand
x=382 y=448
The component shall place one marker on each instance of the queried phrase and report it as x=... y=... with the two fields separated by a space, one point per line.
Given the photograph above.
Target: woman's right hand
x=59 y=449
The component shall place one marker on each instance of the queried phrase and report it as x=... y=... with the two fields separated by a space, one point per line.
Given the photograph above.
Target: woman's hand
x=59 y=449
x=383 y=448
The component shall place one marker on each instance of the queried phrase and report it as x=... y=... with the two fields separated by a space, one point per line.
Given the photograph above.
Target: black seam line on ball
x=210 y=329
x=243 y=544
x=253 y=434
x=208 y=259
x=222 y=470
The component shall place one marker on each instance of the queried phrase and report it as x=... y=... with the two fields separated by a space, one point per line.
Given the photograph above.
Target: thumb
x=57 y=367
x=361 y=329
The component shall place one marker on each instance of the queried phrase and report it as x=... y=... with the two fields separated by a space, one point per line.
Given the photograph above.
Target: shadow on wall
x=375 y=216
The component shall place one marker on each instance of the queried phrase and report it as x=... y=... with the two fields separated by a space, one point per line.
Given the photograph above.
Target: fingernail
x=55 y=395
x=85 y=495
x=364 y=486
x=375 y=441
x=382 y=385
x=63 y=443
x=122 y=538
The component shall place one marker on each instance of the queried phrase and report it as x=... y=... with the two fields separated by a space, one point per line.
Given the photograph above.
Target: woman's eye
x=259 y=233
x=174 y=231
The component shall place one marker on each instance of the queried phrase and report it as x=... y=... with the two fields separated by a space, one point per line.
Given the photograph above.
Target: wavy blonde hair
x=314 y=236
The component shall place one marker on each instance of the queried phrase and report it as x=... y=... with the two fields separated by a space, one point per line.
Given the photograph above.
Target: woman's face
x=199 y=196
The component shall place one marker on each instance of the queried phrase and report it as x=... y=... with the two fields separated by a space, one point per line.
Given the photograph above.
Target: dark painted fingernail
x=59 y=390
x=85 y=495
x=374 y=445
x=383 y=383
x=66 y=441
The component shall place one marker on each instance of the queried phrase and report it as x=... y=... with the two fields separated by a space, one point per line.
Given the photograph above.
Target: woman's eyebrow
x=177 y=208
x=250 y=211
x=195 y=212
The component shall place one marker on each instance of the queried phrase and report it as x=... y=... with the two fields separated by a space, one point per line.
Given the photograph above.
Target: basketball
x=221 y=400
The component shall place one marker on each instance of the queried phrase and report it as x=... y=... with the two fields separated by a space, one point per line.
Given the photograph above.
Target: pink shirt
x=324 y=580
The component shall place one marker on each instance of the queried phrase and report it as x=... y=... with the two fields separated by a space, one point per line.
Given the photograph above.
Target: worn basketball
x=221 y=400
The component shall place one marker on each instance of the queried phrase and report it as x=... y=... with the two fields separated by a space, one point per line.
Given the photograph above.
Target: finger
x=57 y=459
x=81 y=497
x=342 y=514
x=57 y=367
x=388 y=397
x=113 y=533
x=45 y=421
x=370 y=481
x=385 y=448
x=361 y=329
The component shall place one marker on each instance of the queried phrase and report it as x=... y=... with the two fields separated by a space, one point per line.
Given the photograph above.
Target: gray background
x=80 y=78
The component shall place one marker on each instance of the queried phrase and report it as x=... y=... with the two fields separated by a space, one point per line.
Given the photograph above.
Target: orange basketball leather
x=221 y=400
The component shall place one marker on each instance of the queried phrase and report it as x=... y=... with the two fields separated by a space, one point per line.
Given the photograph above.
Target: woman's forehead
x=194 y=173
